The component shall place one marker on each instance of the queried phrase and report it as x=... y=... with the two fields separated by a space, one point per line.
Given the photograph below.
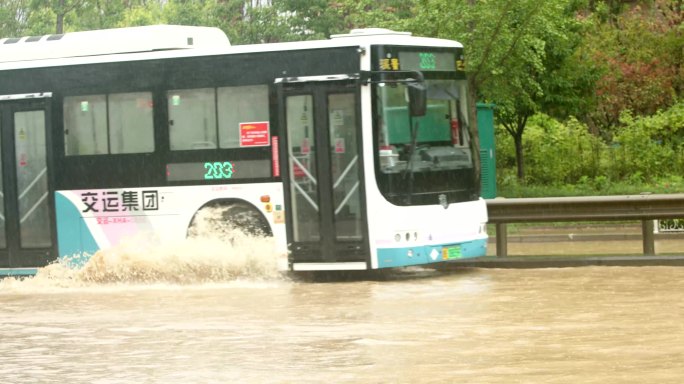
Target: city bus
x=351 y=153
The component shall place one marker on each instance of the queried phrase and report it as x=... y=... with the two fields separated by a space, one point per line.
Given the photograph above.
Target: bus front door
x=26 y=229
x=321 y=170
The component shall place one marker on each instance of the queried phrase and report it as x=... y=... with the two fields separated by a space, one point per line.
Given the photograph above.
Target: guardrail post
x=648 y=237
x=501 y=240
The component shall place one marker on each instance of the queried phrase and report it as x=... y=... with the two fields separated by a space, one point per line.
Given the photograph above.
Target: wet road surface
x=571 y=325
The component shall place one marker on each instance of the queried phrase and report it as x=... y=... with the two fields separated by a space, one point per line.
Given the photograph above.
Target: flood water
x=183 y=315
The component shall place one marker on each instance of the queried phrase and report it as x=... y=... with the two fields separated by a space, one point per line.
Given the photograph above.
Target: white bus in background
x=353 y=153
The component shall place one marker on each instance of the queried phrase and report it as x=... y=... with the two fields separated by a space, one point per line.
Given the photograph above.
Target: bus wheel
x=227 y=219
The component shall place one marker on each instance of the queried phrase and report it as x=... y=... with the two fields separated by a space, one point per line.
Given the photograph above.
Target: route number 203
x=218 y=170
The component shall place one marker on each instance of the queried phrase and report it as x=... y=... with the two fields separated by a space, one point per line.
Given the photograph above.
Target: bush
x=651 y=146
x=554 y=153
x=563 y=158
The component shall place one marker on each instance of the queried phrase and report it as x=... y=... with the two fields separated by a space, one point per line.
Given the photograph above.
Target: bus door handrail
x=34 y=207
x=347 y=197
x=346 y=170
x=26 y=191
x=303 y=168
x=35 y=180
x=306 y=196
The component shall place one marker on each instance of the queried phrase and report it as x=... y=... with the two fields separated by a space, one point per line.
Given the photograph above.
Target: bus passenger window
x=85 y=125
x=245 y=104
x=192 y=119
x=130 y=123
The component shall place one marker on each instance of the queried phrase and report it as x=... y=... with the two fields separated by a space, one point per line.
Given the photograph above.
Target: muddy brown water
x=185 y=316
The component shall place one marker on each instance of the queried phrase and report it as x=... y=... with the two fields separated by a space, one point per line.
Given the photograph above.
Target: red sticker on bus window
x=254 y=134
x=339 y=145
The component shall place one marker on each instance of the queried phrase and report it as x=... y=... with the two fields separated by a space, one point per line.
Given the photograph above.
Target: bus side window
x=192 y=119
x=85 y=125
x=131 y=129
x=129 y=125
x=239 y=105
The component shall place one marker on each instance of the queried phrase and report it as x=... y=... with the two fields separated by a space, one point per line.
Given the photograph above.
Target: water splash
x=214 y=252
x=190 y=261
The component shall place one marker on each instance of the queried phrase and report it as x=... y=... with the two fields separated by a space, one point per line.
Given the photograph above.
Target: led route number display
x=213 y=171
x=198 y=171
x=428 y=61
x=218 y=170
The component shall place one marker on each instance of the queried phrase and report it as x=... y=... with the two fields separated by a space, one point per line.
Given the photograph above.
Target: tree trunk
x=517 y=139
x=59 y=24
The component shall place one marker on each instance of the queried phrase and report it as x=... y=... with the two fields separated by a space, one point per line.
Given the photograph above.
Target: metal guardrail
x=644 y=207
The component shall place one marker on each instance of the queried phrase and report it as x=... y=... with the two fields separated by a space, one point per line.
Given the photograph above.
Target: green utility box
x=485 y=125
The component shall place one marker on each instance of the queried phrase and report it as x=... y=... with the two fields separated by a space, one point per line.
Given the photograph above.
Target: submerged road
x=569 y=325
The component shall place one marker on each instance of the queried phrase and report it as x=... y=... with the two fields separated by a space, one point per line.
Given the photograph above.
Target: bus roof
x=110 y=41
x=172 y=41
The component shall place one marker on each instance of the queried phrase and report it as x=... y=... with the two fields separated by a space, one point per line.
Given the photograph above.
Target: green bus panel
x=433 y=126
x=485 y=125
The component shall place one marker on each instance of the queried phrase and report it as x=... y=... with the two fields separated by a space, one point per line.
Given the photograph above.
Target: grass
x=587 y=187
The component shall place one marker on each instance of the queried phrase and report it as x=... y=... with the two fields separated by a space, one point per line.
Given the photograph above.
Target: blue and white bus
x=352 y=153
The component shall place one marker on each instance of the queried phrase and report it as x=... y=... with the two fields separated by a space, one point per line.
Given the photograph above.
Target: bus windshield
x=422 y=157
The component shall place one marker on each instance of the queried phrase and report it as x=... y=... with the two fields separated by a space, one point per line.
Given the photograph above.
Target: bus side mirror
x=417 y=99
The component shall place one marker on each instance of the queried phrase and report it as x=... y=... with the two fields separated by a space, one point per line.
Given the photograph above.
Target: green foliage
x=555 y=152
x=13 y=17
x=318 y=19
x=639 y=57
x=564 y=159
x=514 y=52
x=652 y=146
x=143 y=14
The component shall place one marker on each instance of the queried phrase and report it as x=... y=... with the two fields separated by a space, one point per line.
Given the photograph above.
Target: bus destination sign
x=429 y=61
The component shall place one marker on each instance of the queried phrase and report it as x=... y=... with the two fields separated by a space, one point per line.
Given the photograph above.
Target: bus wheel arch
x=231 y=213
